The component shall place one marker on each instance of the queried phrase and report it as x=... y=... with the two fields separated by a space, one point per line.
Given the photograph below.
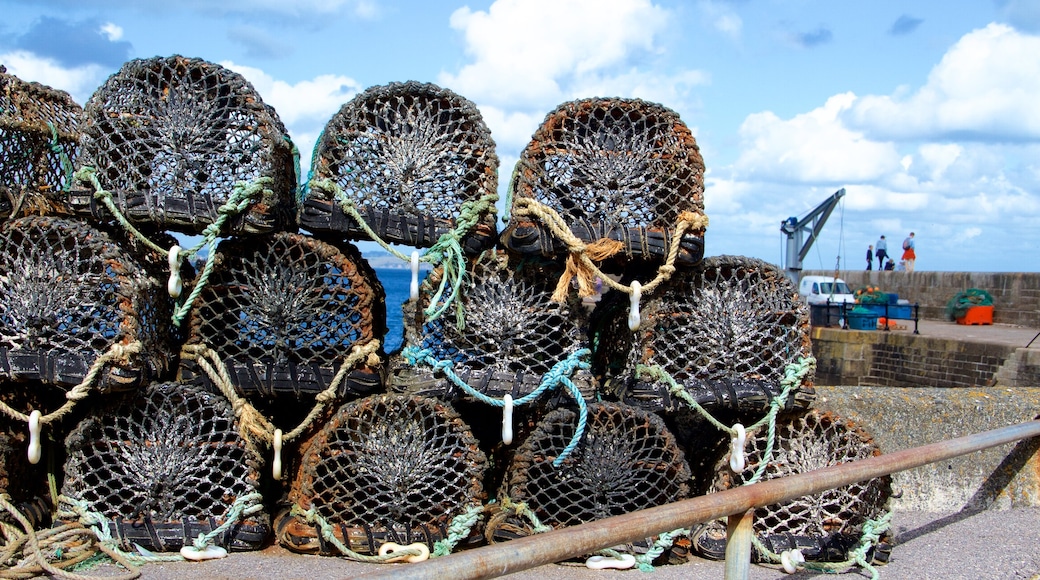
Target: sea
x=396 y=282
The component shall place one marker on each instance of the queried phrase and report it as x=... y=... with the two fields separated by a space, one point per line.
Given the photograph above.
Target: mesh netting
x=617 y=169
x=725 y=331
x=163 y=467
x=38 y=142
x=171 y=137
x=388 y=468
x=68 y=295
x=411 y=158
x=282 y=312
x=825 y=526
x=626 y=461
x=513 y=332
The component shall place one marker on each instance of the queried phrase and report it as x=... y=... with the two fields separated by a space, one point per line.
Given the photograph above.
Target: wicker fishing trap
x=387 y=468
x=825 y=527
x=163 y=466
x=627 y=460
x=76 y=307
x=413 y=161
x=181 y=143
x=725 y=332
x=282 y=312
x=503 y=334
x=38 y=143
x=620 y=175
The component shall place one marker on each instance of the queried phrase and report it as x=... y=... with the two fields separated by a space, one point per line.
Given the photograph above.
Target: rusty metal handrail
x=540 y=549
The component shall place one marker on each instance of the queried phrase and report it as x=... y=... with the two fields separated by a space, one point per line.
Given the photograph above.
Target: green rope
x=243 y=507
x=328 y=533
x=507 y=210
x=794 y=373
x=870 y=537
x=66 y=164
x=299 y=189
x=243 y=194
x=446 y=251
x=460 y=527
x=96 y=522
x=645 y=561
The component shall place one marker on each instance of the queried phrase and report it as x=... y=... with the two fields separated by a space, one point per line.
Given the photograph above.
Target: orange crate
x=977 y=315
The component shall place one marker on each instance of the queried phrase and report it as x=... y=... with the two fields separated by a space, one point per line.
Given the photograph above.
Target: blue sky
x=927 y=113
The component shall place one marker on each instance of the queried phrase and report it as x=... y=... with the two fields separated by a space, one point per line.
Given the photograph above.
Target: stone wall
x=1016 y=295
x=897 y=359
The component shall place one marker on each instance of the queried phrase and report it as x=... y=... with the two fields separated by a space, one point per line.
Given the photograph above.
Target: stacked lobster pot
x=606 y=199
x=171 y=149
x=392 y=476
x=62 y=286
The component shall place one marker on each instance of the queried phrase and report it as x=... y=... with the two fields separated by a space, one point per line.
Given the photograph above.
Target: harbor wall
x=1016 y=295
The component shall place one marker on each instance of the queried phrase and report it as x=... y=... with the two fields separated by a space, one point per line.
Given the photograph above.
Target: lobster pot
x=826 y=526
x=512 y=334
x=626 y=461
x=413 y=159
x=162 y=467
x=726 y=332
x=618 y=170
x=170 y=138
x=38 y=143
x=69 y=294
x=282 y=312
x=388 y=468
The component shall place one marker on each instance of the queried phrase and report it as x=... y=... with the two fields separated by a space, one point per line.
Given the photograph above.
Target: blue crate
x=902 y=311
x=857 y=321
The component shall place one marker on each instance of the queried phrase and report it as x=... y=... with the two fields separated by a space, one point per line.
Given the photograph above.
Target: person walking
x=909 y=255
x=881 y=251
x=870 y=258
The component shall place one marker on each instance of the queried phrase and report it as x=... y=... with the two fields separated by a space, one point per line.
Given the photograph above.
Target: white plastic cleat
x=413 y=289
x=35 y=447
x=175 y=286
x=634 y=318
x=391 y=548
x=791 y=559
x=736 y=450
x=507 y=419
x=276 y=463
x=622 y=562
x=207 y=553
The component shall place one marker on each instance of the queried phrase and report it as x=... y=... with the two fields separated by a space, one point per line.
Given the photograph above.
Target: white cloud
x=813 y=147
x=112 y=31
x=986 y=87
x=304 y=107
x=79 y=82
x=314 y=100
x=538 y=53
x=723 y=18
x=511 y=130
x=972 y=232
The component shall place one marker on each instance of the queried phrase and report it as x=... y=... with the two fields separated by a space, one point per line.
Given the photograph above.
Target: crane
x=795 y=229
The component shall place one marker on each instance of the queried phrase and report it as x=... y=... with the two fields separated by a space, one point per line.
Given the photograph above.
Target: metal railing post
x=738 y=545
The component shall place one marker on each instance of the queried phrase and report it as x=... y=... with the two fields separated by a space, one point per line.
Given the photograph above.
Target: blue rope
x=559 y=374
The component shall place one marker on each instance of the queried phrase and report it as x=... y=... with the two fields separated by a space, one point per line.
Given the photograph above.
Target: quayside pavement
x=968 y=545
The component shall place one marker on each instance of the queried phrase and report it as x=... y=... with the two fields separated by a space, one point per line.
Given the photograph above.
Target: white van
x=820 y=289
